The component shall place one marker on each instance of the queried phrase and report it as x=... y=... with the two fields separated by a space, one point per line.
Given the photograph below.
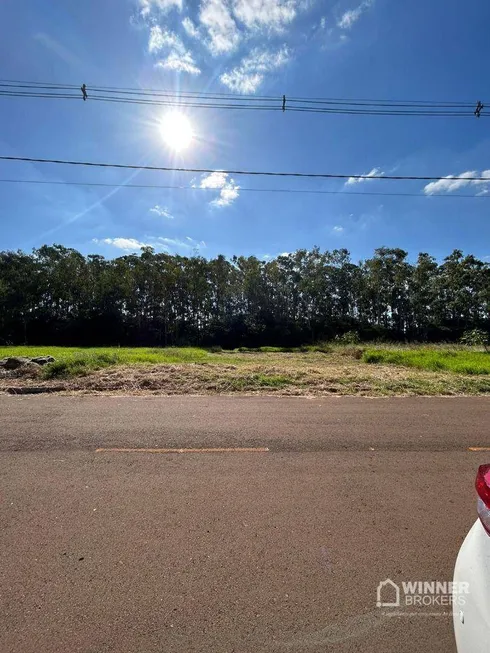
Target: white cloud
x=214 y=180
x=271 y=257
x=228 y=194
x=375 y=172
x=240 y=82
x=223 y=33
x=190 y=28
x=162 y=211
x=455 y=182
x=323 y=22
x=160 y=39
x=176 y=243
x=160 y=5
x=182 y=63
x=350 y=17
x=127 y=244
x=250 y=73
x=160 y=242
x=337 y=229
x=450 y=183
x=271 y=15
x=178 y=57
x=228 y=189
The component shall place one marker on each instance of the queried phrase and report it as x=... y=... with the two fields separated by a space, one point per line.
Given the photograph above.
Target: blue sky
x=435 y=50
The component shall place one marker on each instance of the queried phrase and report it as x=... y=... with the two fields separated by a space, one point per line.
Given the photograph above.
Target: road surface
x=136 y=552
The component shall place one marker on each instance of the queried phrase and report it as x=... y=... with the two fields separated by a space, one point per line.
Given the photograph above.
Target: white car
x=472 y=620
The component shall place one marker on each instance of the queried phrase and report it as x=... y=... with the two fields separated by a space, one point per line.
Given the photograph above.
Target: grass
x=324 y=369
x=433 y=359
x=79 y=361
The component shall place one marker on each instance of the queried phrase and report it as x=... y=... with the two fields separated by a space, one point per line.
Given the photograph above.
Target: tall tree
x=56 y=295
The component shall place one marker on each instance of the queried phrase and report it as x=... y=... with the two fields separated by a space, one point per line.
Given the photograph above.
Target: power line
x=201 y=105
x=206 y=100
x=48 y=85
x=185 y=103
x=309 y=175
x=76 y=87
x=254 y=190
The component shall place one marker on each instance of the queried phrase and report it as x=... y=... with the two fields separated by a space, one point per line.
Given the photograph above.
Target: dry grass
x=339 y=372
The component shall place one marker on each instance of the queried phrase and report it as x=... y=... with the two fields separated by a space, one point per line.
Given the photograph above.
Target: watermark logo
x=388 y=589
x=421 y=594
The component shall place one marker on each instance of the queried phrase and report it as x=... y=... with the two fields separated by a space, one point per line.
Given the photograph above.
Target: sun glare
x=176 y=131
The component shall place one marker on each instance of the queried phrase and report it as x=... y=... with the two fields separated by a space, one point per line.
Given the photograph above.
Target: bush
x=215 y=349
x=348 y=338
x=60 y=368
x=475 y=338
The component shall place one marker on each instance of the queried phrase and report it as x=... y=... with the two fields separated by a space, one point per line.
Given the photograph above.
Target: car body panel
x=472 y=620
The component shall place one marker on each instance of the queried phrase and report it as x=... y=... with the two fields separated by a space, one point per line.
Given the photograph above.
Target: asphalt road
x=220 y=552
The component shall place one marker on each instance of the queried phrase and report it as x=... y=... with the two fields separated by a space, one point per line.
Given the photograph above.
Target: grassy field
x=433 y=359
x=325 y=369
x=77 y=361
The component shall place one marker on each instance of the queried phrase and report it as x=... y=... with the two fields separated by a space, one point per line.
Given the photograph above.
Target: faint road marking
x=202 y=450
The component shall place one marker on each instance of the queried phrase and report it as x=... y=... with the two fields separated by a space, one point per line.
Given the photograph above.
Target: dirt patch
x=278 y=374
x=25 y=371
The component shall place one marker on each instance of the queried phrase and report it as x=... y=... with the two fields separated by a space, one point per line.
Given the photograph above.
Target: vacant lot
x=319 y=370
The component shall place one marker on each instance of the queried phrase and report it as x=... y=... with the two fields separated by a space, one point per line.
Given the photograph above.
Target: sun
x=176 y=131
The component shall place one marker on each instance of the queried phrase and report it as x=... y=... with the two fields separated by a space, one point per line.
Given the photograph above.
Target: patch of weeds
x=267 y=350
x=249 y=382
x=373 y=357
x=353 y=352
x=238 y=383
x=273 y=380
x=62 y=369
x=322 y=348
x=79 y=365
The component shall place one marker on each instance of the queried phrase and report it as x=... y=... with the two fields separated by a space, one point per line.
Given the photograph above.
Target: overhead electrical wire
x=257 y=173
x=230 y=101
x=5 y=82
x=229 y=106
x=312 y=191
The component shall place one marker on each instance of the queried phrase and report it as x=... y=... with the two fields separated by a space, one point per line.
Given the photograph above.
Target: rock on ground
x=14 y=362
x=42 y=360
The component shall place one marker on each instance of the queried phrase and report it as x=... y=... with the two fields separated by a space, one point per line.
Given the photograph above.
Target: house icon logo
x=390 y=592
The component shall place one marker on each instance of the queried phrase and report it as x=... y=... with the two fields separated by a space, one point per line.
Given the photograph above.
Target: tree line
x=57 y=296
